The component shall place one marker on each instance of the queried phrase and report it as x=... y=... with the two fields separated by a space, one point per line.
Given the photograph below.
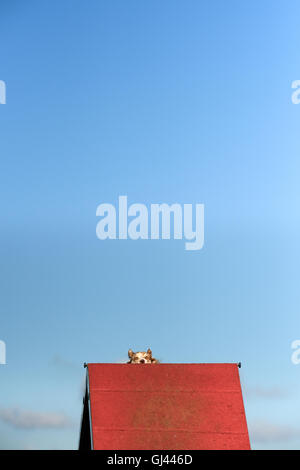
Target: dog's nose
x=142 y=361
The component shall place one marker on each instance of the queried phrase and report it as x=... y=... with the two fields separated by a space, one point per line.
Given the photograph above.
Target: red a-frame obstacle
x=163 y=406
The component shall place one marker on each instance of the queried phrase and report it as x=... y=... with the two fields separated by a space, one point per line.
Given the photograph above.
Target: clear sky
x=171 y=101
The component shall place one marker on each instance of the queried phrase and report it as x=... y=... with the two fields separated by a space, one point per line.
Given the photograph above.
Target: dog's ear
x=149 y=352
x=130 y=353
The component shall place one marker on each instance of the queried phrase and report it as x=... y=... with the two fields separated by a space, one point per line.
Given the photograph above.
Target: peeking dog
x=141 y=357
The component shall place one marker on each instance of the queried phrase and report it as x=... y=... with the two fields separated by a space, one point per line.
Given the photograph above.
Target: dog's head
x=141 y=357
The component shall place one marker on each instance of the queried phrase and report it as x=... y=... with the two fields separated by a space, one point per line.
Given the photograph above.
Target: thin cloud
x=264 y=431
x=65 y=364
x=23 y=419
x=266 y=392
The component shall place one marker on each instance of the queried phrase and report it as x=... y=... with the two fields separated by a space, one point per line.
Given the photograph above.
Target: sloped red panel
x=167 y=406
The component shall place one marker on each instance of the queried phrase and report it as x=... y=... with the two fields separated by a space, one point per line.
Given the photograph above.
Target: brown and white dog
x=141 y=357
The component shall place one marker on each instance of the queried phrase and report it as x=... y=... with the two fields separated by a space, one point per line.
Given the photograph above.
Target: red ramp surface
x=164 y=406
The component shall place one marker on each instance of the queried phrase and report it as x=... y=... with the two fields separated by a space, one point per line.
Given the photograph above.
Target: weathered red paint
x=166 y=406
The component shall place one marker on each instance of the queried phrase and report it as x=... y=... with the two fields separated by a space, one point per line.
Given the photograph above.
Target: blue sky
x=172 y=101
